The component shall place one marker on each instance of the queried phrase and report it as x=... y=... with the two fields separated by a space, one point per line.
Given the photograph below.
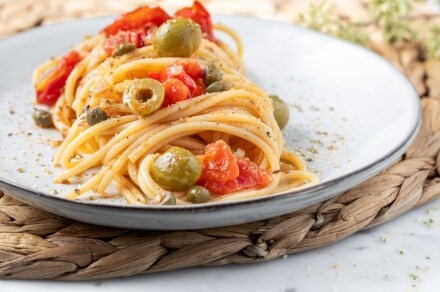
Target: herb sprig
x=323 y=18
x=391 y=16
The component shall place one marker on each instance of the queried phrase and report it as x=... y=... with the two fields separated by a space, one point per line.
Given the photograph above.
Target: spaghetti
x=163 y=122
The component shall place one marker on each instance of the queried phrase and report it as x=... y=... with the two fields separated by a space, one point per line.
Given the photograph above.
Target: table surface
x=401 y=255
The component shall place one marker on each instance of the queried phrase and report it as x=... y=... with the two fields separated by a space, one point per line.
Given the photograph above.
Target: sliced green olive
x=42 y=118
x=217 y=86
x=163 y=199
x=144 y=96
x=95 y=116
x=280 y=111
x=123 y=49
x=179 y=37
x=211 y=74
x=176 y=169
x=198 y=195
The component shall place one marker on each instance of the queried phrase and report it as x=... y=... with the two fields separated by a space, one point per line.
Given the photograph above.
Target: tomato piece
x=135 y=37
x=219 y=164
x=49 y=89
x=250 y=176
x=175 y=91
x=177 y=71
x=200 y=87
x=159 y=76
x=183 y=69
x=138 y=18
x=199 y=14
x=192 y=68
x=189 y=73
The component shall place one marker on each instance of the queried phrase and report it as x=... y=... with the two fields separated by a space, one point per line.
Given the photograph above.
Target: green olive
x=42 y=118
x=280 y=111
x=163 y=199
x=95 y=116
x=123 y=49
x=211 y=74
x=198 y=194
x=144 y=96
x=217 y=86
x=176 y=169
x=179 y=37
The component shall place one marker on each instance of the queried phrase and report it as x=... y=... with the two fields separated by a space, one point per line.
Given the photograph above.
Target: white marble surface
x=402 y=255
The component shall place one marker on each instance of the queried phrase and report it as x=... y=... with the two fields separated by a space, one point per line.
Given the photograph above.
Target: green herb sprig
x=391 y=16
x=323 y=18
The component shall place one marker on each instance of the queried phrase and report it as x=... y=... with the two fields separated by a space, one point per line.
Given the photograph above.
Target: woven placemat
x=38 y=245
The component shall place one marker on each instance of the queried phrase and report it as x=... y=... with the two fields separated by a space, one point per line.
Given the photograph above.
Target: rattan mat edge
x=38 y=245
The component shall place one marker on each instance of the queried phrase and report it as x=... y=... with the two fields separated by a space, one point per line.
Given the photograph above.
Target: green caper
x=280 y=111
x=179 y=37
x=95 y=116
x=123 y=49
x=198 y=194
x=144 y=96
x=176 y=169
x=163 y=199
x=42 y=118
x=211 y=74
x=217 y=86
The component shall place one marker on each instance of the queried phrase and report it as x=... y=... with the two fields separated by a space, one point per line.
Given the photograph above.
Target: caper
x=179 y=37
x=217 y=86
x=198 y=194
x=280 y=111
x=123 y=49
x=211 y=74
x=95 y=116
x=144 y=96
x=163 y=199
x=42 y=118
x=176 y=169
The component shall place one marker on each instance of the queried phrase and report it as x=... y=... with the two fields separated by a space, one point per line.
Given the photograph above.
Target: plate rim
x=382 y=162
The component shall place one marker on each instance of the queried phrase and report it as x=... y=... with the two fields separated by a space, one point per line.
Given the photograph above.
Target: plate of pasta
x=183 y=120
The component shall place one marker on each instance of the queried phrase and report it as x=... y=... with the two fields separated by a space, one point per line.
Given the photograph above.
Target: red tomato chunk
x=223 y=173
x=200 y=15
x=175 y=91
x=182 y=80
x=49 y=89
x=135 y=37
x=140 y=18
x=219 y=164
x=133 y=27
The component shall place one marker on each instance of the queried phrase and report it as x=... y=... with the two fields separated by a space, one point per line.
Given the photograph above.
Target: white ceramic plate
x=352 y=115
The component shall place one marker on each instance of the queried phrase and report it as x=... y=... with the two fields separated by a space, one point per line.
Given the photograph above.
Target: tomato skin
x=177 y=71
x=159 y=76
x=200 y=87
x=189 y=72
x=219 y=164
x=192 y=68
x=135 y=37
x=223 y=173
x=138 y=18
x=134 y=26
x=56 y=79
x=184 y=79
x=175 y=91
x=250 y=176
x=199 y=14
